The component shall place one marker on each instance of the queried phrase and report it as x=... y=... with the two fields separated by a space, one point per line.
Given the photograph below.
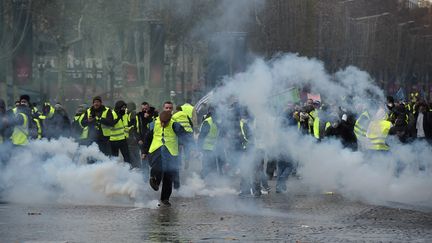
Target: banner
x=281 y=99
x=400 y=95
x=22 y=58
x=314 y=97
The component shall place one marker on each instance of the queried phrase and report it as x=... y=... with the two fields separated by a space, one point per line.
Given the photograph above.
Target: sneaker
x=165 y=203
x=265 y=190
x=153 y=184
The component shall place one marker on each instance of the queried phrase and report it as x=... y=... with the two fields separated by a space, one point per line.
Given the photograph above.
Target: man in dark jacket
x=56 y=122
x=422 y=129
x=99 y=120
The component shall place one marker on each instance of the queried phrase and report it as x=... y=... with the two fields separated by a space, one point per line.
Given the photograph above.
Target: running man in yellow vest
x=161 y=145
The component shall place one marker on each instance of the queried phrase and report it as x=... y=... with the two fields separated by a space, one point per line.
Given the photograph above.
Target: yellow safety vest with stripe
x=311 y=122
x=188 y=109
x=361 y=125
x=118 y=132
x=21 y=132
x=84 y=133
x=39 y=128
x=164 y=136
x=210 y=139
x=106 y=130
x=182 y=118
x=50 y=113
x=316 y=127
x=127 y=118
x=377 y=134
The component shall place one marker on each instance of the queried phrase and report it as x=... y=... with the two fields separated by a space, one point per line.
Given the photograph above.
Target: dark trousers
x=104 y=146
x=135 y=158
x=284 y=170
x=164 y=177
x=123 y=147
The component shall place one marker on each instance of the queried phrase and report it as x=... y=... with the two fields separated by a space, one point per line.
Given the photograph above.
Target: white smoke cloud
x=57 y=172
x=327 y=165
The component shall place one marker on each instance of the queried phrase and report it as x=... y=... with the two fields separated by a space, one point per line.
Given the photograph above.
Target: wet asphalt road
x=292 y=217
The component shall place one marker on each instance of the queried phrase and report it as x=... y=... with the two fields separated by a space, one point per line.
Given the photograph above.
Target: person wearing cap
x=56 y=121
x=161 y=146
x=99 y=120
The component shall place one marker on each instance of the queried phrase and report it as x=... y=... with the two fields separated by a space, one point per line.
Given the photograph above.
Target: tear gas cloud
x=326 y=166
x=56 y=171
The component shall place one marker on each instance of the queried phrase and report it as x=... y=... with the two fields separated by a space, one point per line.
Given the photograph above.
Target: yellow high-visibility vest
x=39 y=128
x=377 y=133
x=106 y=130
x=188 y=109
x=210 y=139
x=361 y=125
x=84 y=133
x=164 y=136
x=118 y=131
x=182 y=118
x=21 y=132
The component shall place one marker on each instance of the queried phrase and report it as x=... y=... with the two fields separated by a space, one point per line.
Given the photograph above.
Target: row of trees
x=383 y=37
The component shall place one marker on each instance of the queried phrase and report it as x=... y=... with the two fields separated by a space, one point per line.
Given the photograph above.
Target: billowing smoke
x=57 y=171
x=402 y=175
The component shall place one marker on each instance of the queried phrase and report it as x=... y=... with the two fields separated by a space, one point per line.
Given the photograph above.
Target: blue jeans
x=284 y=169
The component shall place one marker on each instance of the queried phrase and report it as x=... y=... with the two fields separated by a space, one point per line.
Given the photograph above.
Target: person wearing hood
x=99 y=120
x=118 y=131
x=56 y=121
x=161 y=145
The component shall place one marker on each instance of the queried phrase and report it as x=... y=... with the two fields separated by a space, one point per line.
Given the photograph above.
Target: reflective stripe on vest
x=164 y=136
x=316 y=128
x=106 y=130
x=39 y=128
x=126 y=121
x=20 y=132
x=84 y=133
x=377 y=134
x=210 y=139
x=360 y=127
x=118 y=131
x=182 y=118
x=188 y=109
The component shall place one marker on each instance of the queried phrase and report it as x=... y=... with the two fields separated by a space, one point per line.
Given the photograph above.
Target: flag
x=400 y=95
x=314 y=97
